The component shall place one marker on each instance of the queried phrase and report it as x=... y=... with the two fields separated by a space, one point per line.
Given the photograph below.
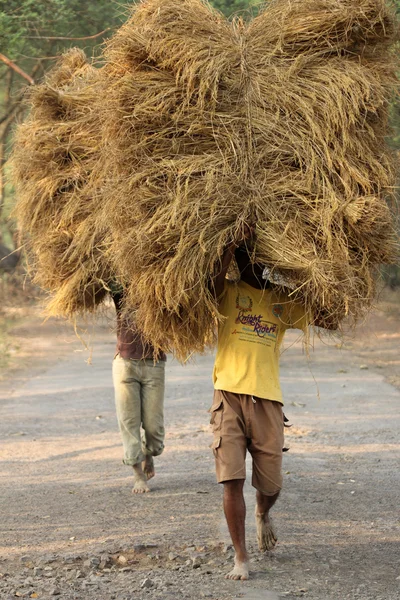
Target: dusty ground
x=72 y=529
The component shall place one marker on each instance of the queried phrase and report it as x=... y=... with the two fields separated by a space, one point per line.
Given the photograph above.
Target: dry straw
x=207 y=125
x=57 y=170
x=280 y=123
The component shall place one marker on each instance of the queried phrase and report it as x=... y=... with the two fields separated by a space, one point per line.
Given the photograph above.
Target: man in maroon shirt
x=139 y=398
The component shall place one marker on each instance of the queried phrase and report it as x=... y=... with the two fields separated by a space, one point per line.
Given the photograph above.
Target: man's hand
x=246 y=235
x=217 y=282
x=325 y=320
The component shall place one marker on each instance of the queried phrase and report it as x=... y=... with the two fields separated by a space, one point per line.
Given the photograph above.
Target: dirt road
x=71 y=528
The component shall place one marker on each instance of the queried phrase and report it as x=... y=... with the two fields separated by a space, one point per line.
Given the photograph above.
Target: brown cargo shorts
x=241 y=422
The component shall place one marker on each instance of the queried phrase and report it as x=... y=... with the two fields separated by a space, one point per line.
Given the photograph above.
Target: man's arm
x=300 y=319
x=326 y=321
x=218 y=280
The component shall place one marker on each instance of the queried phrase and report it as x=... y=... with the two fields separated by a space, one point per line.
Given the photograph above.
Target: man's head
x=250 y=273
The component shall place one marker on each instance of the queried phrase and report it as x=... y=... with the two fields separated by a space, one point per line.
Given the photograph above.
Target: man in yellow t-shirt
x=247 y=409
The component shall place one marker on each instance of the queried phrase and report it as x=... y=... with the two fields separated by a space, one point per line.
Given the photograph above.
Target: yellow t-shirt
x=249 y=338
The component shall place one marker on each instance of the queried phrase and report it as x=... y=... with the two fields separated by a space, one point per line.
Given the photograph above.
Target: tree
x=236 y=7
x=32 y=34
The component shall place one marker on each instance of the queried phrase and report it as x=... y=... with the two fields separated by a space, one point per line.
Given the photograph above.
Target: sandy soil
x=71 y=528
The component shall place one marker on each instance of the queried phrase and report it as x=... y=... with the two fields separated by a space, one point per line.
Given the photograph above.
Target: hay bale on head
x=327 y=66
x=209 y=124
x=303 y=27
x=149 y=166
x=173 y=135
x=56 y=158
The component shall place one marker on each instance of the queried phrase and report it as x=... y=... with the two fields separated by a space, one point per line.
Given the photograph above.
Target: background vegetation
x=34 y=32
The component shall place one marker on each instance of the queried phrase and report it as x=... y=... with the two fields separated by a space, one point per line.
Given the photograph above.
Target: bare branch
x=7 y=93
x=16 y=68
x=10 y=111
x=36 y=68
x=47 y=37
x=40 y=57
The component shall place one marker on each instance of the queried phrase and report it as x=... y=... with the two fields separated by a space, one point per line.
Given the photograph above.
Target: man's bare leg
x=148 y=467
x=140 y=486
x=235 y=513
x=265 y=532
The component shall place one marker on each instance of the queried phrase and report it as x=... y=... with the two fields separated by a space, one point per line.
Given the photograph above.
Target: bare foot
x=239 y=572
x=140 y=485
x=265 y=532
x=148 y=467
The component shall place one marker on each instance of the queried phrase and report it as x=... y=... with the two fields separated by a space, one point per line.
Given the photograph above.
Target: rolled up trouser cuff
x=153 y=452
x=133 y=461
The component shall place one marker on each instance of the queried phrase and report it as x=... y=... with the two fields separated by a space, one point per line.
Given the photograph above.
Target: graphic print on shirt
x=277 y=310
x=251 y=327
x=244 y=303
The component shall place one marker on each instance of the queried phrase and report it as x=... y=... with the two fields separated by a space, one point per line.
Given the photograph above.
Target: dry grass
x=56 y=160
x=207 y=125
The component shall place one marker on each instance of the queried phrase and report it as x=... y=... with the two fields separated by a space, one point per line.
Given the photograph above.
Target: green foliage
x=30 y=32
x=395 y=109
x=25 y=26
x=395 y=125
x=236 y=7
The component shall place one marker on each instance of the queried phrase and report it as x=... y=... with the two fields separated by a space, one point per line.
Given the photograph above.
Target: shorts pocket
x=216 y=415
x=216 y=444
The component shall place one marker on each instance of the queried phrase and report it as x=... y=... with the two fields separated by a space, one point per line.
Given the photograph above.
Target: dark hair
x=240 y=250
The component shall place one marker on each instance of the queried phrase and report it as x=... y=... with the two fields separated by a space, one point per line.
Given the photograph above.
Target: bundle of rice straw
x=145 y=169
x=56 y=159
x=280 y=123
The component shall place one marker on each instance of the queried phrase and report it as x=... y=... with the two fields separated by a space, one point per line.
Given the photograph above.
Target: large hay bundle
x=148 y=167
x=280 y=123
x=57 y=170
